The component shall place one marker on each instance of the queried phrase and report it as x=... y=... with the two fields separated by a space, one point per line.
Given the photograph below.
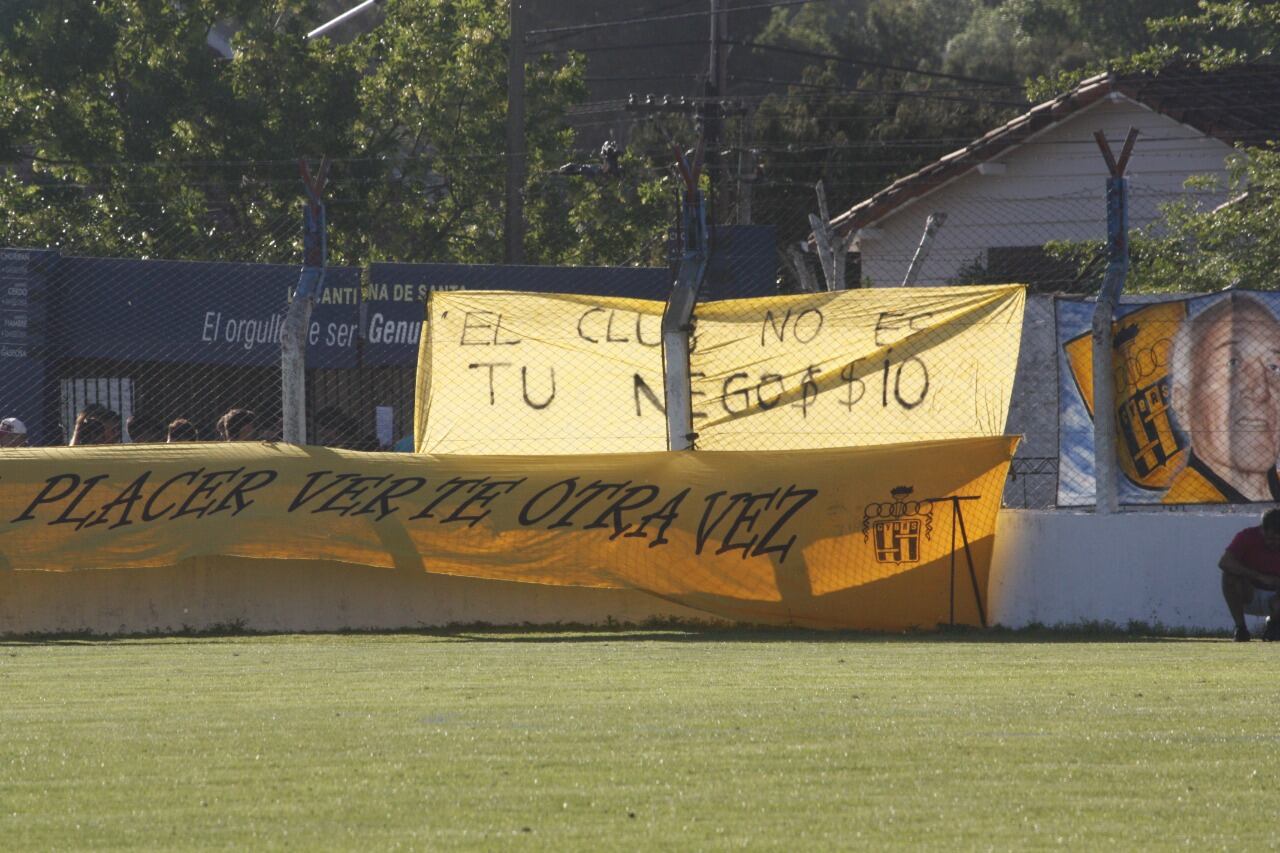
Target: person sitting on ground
x=1251 y=576
x=13 y=433
x=146 y=429
x=182 y=430
x=90 y=428
x=238 y=425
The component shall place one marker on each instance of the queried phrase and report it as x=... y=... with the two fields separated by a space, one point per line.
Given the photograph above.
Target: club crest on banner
x=898 y=526
x=1150 y=450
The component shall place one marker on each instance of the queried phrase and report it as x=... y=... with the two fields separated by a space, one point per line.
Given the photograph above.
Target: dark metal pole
x=968 y=556
x=954 y=509
x=513 y=249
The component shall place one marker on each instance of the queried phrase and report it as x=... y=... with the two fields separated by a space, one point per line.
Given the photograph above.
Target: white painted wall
x=1052 y=188
x=1059 y=567
x=1052 y=567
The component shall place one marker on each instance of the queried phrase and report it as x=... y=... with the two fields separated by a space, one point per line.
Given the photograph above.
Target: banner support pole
x=952 y=611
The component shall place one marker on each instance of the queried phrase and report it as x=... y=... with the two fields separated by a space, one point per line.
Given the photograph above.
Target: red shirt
x=1249 y=548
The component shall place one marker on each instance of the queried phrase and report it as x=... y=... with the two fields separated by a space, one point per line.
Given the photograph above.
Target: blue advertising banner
x=189 y=312
x=394 y=302
x=24 y=296
x=230 y=313
x=72 y=326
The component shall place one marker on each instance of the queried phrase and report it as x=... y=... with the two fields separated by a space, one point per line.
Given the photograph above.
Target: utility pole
x=746 y=180
x=711 y=114
x=708 y=111
x=513 y=251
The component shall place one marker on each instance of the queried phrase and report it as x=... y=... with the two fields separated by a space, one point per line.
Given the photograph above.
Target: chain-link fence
x=151 y=346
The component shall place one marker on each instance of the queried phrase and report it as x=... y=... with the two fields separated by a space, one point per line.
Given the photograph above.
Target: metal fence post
x=678 y=315
x=1106 y=477
x=931 y=226
x=293 y=335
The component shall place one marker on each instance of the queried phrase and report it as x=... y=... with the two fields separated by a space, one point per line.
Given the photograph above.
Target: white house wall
x=1051 y=188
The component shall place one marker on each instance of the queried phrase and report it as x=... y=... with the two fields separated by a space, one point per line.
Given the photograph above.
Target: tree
x=1194 y=249
x=1029 y=39
x=877 y=100
x=129 y=136
x=124 y=118
x=1204 y=34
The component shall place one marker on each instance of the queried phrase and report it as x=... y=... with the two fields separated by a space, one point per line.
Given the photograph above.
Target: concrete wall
x=1062 y=567
x=1033 y=410
x=1051 y=567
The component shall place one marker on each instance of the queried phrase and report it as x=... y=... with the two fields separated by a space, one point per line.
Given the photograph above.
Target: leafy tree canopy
x=126 y=134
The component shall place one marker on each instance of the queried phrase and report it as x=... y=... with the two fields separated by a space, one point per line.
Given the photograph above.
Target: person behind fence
x=90 y=428
x=334 y=428
x=181 y=430
x=238 y=425
x=1225 y=394
x=1251 y=576
x=109 y=420
x=13 y=433
x=146 y=429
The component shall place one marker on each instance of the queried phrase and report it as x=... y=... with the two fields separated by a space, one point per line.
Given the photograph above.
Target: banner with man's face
x=1197 y=386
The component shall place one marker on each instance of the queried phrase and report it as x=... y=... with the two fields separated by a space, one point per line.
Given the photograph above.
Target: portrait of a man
x=1224 y=378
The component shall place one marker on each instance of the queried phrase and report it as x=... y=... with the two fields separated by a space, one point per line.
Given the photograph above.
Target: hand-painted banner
x=856 y=368
x=524 y=373
x=539 y=374
x=1197 y=400
x=869 y=538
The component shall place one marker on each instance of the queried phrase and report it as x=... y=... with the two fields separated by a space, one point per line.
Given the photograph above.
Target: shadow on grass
x=665 y=631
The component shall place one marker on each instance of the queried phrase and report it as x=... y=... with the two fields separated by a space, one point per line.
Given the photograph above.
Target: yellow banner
x=856 y=368
x=522 y=373
x=866 y=538
x=1150 y=451
x=518 y=373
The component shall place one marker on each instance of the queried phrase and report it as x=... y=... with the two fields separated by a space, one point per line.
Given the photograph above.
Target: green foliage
x=1207 y=34
x=1235 y=244
x=129 y=136
x=858 y=127
x=1195 y=247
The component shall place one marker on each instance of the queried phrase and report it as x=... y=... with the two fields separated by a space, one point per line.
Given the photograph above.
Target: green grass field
x=646 y=739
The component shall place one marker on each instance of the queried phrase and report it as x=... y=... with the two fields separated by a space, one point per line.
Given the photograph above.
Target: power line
x=577 y=28
x=634 y=77
x=645 y=45
x=934 y=94
x=868 y=64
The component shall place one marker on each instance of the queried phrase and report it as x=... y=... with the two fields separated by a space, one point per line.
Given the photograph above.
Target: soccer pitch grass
x=645 y=739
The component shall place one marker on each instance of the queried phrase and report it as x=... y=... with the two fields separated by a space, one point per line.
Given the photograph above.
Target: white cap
x=13 y=425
